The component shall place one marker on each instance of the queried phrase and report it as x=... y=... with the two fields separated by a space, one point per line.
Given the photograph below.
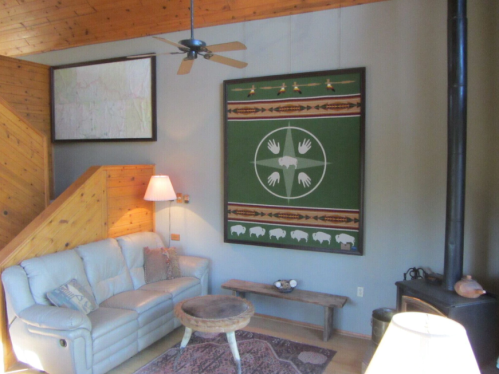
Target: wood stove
x=479 y=316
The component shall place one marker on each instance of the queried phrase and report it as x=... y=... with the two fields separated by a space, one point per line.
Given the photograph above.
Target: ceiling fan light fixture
x=192 y=47
x=194 y=44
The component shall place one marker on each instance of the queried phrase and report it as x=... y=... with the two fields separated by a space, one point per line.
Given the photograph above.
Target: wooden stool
x=214 y=313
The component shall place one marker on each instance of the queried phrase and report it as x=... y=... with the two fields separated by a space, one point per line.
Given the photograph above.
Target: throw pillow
x=173 y=269
x=154 y=265
x=73 y=295
x=160 y=264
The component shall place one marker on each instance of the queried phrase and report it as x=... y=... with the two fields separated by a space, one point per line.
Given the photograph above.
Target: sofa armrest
x=198 y=267
x=57 y=351
x=191 y=266
x=55 y=318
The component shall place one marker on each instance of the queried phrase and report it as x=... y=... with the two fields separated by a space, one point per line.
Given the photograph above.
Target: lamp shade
x=160 y=189
x=421 y=343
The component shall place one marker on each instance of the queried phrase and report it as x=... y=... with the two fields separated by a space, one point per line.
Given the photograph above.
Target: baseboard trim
x=311 y=326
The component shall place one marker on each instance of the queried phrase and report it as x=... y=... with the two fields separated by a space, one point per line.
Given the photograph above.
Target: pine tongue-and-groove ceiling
x=35 y=26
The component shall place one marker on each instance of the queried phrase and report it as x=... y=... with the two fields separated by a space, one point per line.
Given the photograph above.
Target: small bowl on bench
x=285 y=286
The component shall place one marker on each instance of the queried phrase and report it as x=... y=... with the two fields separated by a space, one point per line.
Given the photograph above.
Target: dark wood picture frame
x=294 y=161
x=118 y=111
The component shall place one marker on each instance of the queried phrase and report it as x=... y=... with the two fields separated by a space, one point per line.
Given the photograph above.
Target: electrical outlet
x=175 y=237
x=360 y=291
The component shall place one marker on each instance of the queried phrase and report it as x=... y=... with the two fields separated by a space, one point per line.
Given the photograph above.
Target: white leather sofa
x=131 y=314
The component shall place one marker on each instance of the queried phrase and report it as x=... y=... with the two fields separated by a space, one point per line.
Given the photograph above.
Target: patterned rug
x=260 y=354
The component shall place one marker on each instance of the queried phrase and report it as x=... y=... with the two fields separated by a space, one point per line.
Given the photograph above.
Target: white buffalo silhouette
x=345 y=239
x=288 y=161
x=299 y=235
x=238 y=229
x=320 y=237
x=257 y=230
x=277 y=233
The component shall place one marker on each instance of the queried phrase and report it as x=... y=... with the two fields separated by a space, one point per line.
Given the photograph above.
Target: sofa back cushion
x=46 y=273
x=105 y=268
x=132 y=247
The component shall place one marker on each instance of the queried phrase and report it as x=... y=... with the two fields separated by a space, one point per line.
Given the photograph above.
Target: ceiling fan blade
x=226 y=61
x=185 y=66
x=225 y=47
x=170 y=42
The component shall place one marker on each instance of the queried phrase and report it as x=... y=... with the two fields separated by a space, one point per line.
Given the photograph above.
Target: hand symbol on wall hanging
x=305 y=146
x=274 y=178
x=273 y=147
x=304 y=179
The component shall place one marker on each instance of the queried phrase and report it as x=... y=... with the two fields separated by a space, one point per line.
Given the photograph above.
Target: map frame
x=144 y=128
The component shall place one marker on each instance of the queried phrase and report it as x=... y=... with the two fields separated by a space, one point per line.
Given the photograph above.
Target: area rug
x=260 y=354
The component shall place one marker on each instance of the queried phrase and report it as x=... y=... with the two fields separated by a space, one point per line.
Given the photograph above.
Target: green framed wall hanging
x=294 y=161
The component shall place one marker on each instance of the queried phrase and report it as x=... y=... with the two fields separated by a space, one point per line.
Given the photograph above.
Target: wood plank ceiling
x=35 y=26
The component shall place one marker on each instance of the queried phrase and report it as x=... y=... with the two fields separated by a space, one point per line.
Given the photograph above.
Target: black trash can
x=380 y=320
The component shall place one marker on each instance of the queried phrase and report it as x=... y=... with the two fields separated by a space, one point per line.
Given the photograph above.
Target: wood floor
x=348 y=359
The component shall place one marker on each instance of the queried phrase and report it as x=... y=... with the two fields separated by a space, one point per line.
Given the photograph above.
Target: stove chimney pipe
x=456 y=153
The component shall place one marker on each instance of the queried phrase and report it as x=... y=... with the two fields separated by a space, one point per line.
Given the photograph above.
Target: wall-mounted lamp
x=417 y=343
x=160 y=189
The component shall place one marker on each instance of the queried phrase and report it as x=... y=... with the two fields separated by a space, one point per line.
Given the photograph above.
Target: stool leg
x=183 y=344
x=231 y=338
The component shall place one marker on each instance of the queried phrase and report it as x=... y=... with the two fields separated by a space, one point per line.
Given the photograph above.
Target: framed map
x=294 y=161
x=106 y=100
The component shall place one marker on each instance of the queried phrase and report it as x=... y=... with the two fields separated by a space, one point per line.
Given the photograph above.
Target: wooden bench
x=329 y=302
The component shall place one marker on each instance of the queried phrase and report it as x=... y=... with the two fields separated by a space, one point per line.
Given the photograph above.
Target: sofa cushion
x=46 y=273
x=73 y=295
x=138 y=300
x=132 y=247
x=149 y=305
x=106 y=269
x=174 y=286
x=105 y=320
x=111 y=327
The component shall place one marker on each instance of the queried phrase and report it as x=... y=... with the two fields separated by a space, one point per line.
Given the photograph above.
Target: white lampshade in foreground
x=160 y=189
x=420 y=343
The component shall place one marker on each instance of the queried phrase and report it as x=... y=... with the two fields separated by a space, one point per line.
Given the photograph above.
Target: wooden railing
x=106 y=201
x=24 y=181
x=25 y=86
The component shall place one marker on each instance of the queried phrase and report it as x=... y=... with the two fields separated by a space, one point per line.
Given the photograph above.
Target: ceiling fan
x=195 y=47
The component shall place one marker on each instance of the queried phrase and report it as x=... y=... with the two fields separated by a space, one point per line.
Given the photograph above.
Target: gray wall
x=402 y=43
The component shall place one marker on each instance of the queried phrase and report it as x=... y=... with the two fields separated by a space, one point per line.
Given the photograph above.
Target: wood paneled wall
x=29 y=27
x=106 y=201
x=24 y=189
x=128 y=212
x=26 y=87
